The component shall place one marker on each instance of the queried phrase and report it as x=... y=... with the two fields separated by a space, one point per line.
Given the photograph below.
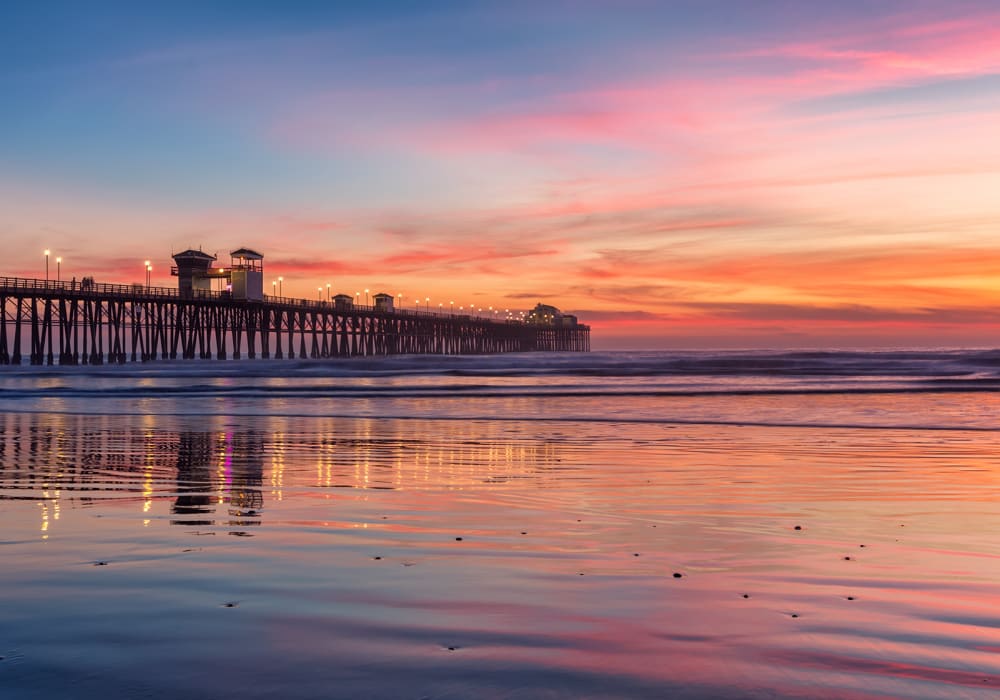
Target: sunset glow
x=685 y=174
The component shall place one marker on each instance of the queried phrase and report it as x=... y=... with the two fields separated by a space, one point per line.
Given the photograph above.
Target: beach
x=607 y=525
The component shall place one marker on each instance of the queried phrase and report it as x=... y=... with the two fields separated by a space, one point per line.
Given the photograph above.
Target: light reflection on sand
x=320 y=557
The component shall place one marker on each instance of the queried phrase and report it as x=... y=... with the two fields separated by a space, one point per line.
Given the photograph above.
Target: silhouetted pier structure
x=89 y=323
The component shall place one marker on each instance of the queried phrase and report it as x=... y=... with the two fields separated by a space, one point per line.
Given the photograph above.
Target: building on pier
x=192 y=272
x=343 y=302
x=243 y=279
x=548 y=315
x=246 y=275
x=383 y=302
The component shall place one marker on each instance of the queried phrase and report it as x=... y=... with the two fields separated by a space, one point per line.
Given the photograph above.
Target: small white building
x=247 y=274
x=383 y=302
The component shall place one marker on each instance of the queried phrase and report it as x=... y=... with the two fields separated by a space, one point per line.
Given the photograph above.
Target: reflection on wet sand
x=216 y=469
x=217 y=477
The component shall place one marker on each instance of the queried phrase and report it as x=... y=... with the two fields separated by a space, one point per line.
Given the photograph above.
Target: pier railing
x=139 y=290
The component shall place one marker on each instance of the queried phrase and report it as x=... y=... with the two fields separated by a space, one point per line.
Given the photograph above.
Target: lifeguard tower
x=192 y=273
x=246 y=276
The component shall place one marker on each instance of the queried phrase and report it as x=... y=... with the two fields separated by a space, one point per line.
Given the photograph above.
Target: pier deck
x=92 y=323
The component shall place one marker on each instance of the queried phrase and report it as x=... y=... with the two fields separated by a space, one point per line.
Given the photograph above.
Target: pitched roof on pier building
x=191 y=255
x=247 y=254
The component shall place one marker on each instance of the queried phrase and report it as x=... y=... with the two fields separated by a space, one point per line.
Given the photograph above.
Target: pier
x=88 y=323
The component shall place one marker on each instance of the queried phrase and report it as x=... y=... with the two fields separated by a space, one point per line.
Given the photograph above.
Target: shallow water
x=293 y=537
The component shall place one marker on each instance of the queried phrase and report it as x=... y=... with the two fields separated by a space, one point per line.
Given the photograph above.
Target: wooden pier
x=74 y=323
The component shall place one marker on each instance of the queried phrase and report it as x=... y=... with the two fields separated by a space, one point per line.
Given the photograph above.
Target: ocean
x=598 y=525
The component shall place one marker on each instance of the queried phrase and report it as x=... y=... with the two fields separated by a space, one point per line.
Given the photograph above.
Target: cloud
x=854 y=314
x=600 y=316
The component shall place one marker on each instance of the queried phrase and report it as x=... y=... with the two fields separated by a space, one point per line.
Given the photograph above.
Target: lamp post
x=58 y=269
x=328 y=291
x=149 y=274
x=357 y=298
x=274 y=288
x=427 y=301
x=451 y=306
x=280 y=280
x=319 y=294
x=47 y=251
x=366 y=298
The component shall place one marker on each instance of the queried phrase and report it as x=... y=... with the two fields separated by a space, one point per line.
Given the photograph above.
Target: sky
x=680 y=174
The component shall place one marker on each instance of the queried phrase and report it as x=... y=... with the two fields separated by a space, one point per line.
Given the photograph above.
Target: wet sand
x=264 y=556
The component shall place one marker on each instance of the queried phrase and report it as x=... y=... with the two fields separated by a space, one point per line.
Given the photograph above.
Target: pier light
x=366 y=297
x=427 y=300
x=328 y=291
x=274 y=287
x=58 y=268
x=280 y=280
x=319 y=293
x=47 y=251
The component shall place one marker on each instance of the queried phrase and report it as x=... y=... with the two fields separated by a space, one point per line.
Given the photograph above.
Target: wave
x=478 y=391
x=897 y=363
